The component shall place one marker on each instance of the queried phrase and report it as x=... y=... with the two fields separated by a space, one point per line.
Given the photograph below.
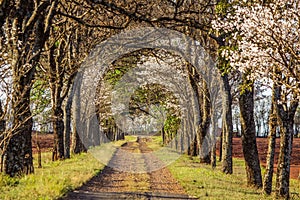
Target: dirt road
x=120 y=181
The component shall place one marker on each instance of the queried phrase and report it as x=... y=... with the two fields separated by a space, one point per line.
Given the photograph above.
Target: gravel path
x=120 y=182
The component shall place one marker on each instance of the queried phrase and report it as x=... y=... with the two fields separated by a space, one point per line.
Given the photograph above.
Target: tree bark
x=221 y=145
x=203 y=97
x=193 y=148
x=2 y=121
x=60 y=83
x=2 y=142
x=67 y=123
x=204 y=143
x=286 y=122
x=227 y=127
x=251 y=157
x=77 y=144
x=267 y=183
x=56 y=82
x=213 y=158
x=18 y=154
x=58 y=132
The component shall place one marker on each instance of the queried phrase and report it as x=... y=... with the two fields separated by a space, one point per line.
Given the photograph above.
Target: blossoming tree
x=264 y=44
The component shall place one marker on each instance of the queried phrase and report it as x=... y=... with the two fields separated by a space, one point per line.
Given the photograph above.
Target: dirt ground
x=46 y=142
x=262 y=145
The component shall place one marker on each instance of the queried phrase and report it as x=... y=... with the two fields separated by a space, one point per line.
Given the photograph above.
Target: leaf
x=117 y=72
x=56 y=44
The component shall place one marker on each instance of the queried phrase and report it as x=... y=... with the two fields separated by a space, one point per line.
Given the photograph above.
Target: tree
x=21 y=22
x=253 y=171
x=78 y=28
x=221 y=8
x=297 y=123
x=285 y=113
x=2 y=129
x=264 y=37
x=273 y=124
x=2 y=121
x=227 y=127
x=5 y=91
x=200 y=143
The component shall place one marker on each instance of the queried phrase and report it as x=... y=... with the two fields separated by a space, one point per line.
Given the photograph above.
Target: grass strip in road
x=201 y=181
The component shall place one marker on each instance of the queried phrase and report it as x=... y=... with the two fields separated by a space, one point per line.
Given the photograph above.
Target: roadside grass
x=156 y=143
x=54 y=179
x=203 y=182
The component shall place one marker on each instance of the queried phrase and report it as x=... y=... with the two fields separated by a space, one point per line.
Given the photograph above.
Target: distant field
x=262 y=145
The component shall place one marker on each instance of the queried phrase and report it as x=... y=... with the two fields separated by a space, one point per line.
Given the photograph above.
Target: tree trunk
x=38 y=147
x=213 y=159
x=267 y=184
x=58 y=132
x=221 y=144
x=2 y=121
x=26 y=32
x=194 y=147
x=77 y=144
x=56 y=84
x=286 y=121
x=237 y=128
x=2 y=142
x=251 y=157
x=227 y=127
x=213 y=146
x=163 y=135
x=18 y=154
x=203 y=98
x=67 y=124
x=204 y=143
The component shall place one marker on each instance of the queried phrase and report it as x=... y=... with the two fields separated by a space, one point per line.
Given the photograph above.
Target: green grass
x=130 y=138
x=51 y=181
x=156 y=143
x=54 y=179
x=201 y=181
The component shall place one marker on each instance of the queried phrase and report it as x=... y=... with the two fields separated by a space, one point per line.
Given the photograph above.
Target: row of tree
x=47 y=41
